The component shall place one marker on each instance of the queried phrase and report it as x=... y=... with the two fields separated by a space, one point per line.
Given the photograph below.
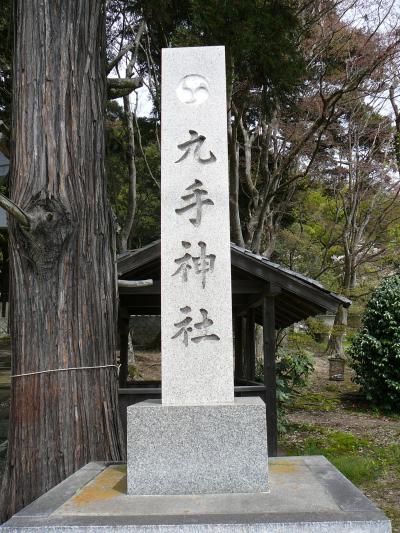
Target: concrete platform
x=307 y=495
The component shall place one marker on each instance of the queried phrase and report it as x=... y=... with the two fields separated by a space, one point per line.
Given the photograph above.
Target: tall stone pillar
x=199 y=439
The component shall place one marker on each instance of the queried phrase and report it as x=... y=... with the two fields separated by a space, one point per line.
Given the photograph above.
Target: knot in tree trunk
x=50 y=228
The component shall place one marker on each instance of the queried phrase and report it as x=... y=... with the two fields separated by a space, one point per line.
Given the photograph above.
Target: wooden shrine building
x=263 y=292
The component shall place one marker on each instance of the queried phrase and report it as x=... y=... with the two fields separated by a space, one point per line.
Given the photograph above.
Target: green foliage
x=335 y=443
x=241 y=26
x=357 y=468
x=293 y=368
x=375 y=350
x=317 y=328
x=391 y=457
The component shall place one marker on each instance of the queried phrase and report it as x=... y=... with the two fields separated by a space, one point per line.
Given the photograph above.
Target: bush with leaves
x=293 y=368
x=375 y=349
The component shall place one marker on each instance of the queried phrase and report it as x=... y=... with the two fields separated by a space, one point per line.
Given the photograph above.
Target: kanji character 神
x=184 y=262
x=202 y=264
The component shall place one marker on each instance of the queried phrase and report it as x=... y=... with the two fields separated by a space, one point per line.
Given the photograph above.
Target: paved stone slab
x=309 y=495
x=197 y=449
x=196 y=302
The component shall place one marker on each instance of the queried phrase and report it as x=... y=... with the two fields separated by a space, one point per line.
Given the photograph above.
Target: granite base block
x=197 y=449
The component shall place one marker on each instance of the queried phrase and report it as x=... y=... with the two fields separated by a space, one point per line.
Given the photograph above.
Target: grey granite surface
x=196 y=300
x=308 y=495
x=197 y=449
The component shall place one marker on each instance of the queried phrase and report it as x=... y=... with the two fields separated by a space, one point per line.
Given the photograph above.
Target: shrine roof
x=297 y=296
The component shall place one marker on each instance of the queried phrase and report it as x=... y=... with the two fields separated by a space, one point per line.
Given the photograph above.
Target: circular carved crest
x=193 y=89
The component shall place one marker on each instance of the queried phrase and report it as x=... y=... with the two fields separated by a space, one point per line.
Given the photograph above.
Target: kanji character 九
x=194 y=146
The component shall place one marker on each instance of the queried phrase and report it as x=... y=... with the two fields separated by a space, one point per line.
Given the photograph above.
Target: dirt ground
x=343 y=413
x=148 y=365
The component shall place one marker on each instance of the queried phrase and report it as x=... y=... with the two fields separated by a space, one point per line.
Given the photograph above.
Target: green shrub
x=375 y=349
x=134 y=373
x=293 y=368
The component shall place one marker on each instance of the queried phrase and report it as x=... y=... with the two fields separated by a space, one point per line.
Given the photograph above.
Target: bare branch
x=12 y=209
x=112 y=64
x=120 y=87
x=134 y=284
x=133 y=60
x=125 y=50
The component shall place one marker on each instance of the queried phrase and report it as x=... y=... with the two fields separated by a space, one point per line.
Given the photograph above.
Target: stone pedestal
x=197 y=449
x=308 y=495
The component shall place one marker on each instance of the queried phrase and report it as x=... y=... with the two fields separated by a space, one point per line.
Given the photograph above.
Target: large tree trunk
x=62 y=268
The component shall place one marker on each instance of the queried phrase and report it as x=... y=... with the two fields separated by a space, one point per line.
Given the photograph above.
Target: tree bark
x=233 y=151
x=63 y=284
x=335 y=346
x=131 y=163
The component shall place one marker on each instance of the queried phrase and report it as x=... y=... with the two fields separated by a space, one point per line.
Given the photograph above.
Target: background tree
x=127 y=34
x=146 y=220
x=289 y=65
x=5 y=76
x=61 y=233
x=289 y=104
x=360 y=178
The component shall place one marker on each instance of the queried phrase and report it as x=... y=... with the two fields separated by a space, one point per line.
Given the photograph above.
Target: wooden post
x=238 y=346
x=270 y=374
x=123 y=329
x=250 y=353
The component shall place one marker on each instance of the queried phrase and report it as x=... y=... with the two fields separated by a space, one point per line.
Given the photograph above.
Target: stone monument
x=197 y=462
x=199 y=439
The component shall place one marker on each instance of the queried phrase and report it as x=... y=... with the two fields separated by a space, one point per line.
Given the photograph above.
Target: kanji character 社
x=183 y=325
x=203 y=328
